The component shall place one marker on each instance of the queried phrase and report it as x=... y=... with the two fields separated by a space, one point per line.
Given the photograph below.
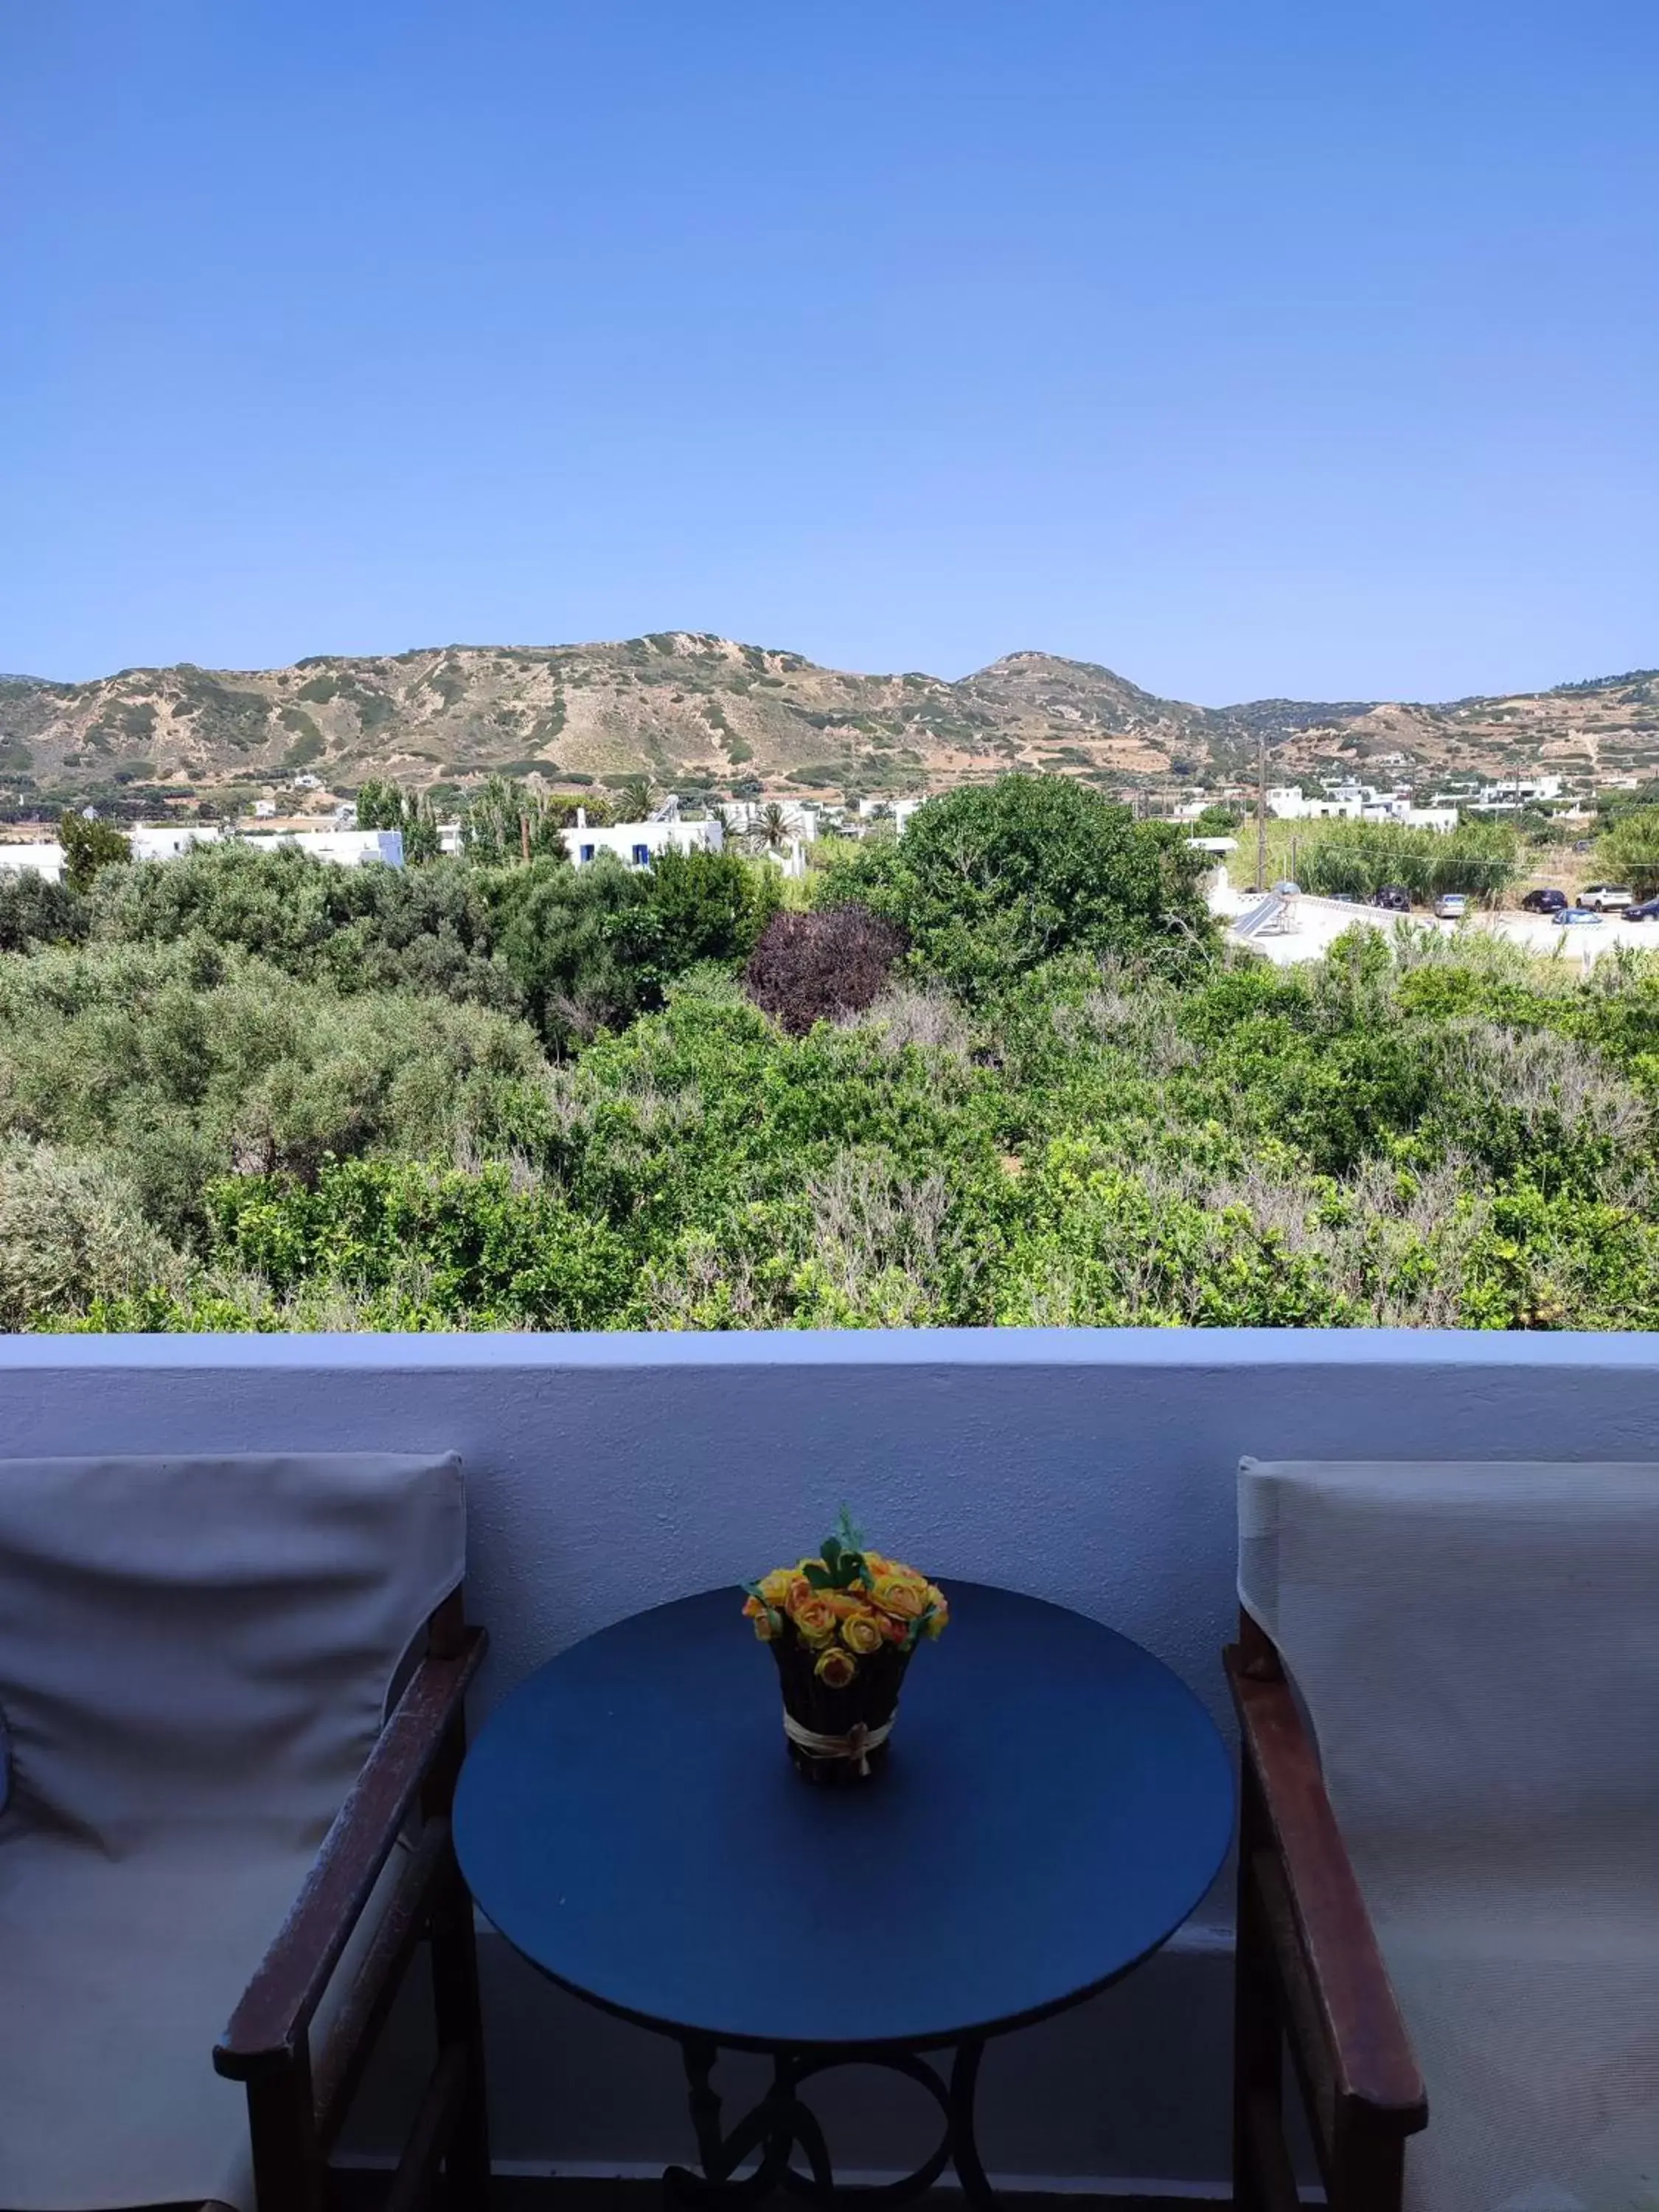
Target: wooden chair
x=234 y=1690
x=298 y=2099
x=1447 y=1681
x=1309 y=1976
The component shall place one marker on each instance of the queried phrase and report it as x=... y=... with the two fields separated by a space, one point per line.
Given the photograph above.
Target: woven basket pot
x=869 y=1702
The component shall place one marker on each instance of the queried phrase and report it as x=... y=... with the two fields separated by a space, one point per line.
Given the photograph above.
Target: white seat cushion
x=1477 y=1649
x=195 y=1658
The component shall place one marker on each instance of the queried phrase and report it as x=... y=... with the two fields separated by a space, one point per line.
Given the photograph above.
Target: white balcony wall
x=607 y=1474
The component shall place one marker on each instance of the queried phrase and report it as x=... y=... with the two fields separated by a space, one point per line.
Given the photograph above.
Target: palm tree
x=776 y=826
x=634 y=799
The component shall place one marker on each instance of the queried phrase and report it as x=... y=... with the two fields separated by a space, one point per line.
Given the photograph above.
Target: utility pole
x=1261 y=810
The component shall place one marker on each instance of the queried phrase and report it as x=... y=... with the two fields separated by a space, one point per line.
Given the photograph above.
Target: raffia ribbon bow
x=857 y=1743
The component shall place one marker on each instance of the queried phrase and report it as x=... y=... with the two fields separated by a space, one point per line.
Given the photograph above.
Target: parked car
x=1647 y=911
x=1607 y=897
x=1572 y=917
x=1393 y=898
x=1547 y=900
x=1451 y=906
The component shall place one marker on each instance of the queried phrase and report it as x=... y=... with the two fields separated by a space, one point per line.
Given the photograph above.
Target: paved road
x=1303 y=928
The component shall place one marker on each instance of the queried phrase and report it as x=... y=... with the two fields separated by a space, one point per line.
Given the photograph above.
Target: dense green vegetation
x=247 y=1090
x=1351 y=859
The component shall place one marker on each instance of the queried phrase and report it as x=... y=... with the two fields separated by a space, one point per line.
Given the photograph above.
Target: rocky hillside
x=697 y=712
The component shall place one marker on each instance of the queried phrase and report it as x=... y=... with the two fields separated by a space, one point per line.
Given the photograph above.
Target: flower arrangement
x=842 y=1627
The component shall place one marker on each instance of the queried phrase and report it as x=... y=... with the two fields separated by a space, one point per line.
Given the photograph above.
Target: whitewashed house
x=1356 y=802
x=46 y=858
x=345 y=848
x=168 y=840
x=636 y=844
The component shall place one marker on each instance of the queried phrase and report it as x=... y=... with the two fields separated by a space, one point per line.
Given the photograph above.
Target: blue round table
x=1054 y=1804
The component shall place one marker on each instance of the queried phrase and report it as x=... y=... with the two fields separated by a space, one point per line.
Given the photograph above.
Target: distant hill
x=698 y=712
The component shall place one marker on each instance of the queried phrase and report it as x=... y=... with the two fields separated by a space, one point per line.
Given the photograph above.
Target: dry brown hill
x=698 y=712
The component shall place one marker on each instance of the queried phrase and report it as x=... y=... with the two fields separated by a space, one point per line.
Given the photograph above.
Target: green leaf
x=848 y=1535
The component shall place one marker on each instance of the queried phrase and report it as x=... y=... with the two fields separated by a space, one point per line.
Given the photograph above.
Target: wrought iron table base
x=782 y=2124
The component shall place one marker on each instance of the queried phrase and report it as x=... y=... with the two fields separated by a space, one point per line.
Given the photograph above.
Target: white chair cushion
x=1475 y=1644
x=195 y=1658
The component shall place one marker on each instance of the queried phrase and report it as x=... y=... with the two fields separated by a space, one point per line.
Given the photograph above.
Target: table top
x=1053 y=1804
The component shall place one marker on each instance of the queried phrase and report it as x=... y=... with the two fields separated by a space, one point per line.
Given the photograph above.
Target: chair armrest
x=1315 y=1911
x=276 y=2007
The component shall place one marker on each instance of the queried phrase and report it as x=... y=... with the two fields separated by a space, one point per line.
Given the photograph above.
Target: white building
x=345 y=848
x=167 y=841
x=1512 y=793
x=1354 y=802
x=46 y=859
x=636 y=844
x=898 y=811
x=1286 y=802
x=792 y=861
x=801 y=817
x=264 y=810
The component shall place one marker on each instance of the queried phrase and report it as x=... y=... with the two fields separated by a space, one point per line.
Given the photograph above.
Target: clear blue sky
x=1248 y=346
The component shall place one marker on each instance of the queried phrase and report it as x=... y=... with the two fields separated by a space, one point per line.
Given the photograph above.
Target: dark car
x=1547 y=901
x=1396 y=899
x=1647 y=911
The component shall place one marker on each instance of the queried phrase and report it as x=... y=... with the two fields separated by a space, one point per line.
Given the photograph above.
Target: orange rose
x=815 y=1620
x=906 y=1599
x=836 y=1668
x=861 y=1633
x=763 y=1627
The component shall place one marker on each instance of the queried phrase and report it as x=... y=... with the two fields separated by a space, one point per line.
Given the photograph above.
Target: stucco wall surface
x=608 y=1474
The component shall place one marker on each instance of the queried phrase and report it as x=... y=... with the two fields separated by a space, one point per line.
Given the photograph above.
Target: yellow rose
x=905 y=1600
x=861 y=1633
x=776 y=1588
x=814 y=1619
x=836 y=1668
x=843 y=1603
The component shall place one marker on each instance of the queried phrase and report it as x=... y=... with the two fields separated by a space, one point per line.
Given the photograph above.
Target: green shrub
x=1352 y=859
x=185 y=1061
x=90 y=846
x=992 y=879
x=1629 y=853
x=70 y=1231
x=368 y=928
x=35 y=912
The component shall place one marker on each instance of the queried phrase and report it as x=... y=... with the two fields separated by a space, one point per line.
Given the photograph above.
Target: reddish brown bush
x=809 y=967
